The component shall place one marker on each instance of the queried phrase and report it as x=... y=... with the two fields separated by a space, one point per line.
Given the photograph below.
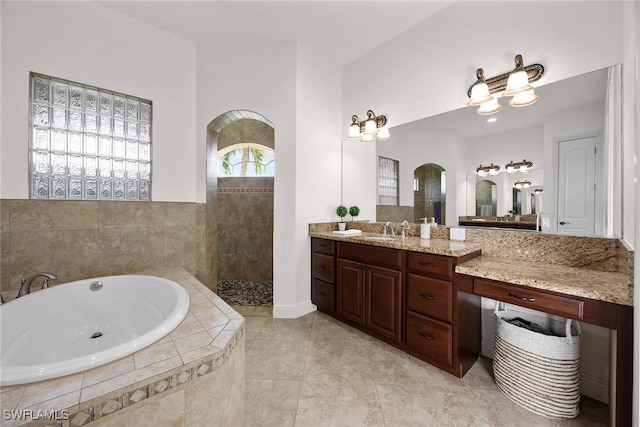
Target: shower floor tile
x=246 y=292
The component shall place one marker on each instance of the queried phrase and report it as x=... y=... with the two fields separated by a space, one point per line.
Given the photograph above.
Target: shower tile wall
x=80 y=239
x=245 y=229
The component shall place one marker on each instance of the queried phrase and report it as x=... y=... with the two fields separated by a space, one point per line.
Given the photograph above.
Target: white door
x=577 y=185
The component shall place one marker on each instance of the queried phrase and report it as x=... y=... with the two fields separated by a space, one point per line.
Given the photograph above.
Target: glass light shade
x=524 y=168
x=383 y=133
x=370 y=126
x=511 y=169
x=489 y=107
x=518 y=82
x=479 y=94
x=367 y=137
x=354 y=131
x=481 y=172
x=493 y=171
x=526 y=184
x=523 y=99
x=518 y=185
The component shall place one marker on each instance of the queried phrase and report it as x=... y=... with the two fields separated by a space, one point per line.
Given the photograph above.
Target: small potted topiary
x=342 y=211
x=354 y=211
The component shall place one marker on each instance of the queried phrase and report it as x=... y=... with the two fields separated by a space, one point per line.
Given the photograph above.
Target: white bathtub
x=48 y=333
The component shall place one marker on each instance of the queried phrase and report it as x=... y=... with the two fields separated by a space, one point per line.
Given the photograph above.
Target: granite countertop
x=598 y=285
x=409 y=243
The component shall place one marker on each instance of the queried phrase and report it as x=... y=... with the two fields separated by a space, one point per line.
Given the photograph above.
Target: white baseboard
x=595 y=388
x=293 y=311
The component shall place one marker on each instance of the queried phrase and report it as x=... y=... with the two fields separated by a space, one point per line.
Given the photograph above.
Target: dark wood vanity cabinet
x=323 y=292
x=408 y=299
x=369 y=288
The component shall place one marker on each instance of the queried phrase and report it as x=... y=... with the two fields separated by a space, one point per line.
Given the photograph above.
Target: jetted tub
x=80 y=325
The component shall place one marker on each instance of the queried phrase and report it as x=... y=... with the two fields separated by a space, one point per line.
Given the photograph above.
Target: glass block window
x=88 y=143
x=246 y=160
x=388 y=180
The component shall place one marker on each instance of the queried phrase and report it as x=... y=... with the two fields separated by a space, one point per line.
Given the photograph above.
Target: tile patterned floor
x=316 y=371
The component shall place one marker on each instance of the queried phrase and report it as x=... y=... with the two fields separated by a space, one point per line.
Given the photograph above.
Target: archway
x=239 y=218
x=429 y=193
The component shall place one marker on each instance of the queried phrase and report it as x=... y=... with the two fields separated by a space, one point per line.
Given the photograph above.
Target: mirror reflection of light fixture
x=369 y=130
x=522 y=184
x=523 y=166
x=515 y=83
x=488 y=170
x=538 y=191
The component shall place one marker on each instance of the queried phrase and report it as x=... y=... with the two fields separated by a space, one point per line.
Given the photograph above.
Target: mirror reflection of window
x=486 y=198
x=429 y=196
x=388 y=188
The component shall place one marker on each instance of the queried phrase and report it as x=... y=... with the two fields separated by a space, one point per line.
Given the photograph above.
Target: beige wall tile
x=180 y=248
x=32 y=215
x=124 y=251
x=179 y=214
x=5 y=206
x=131 y=214
x=71 y=254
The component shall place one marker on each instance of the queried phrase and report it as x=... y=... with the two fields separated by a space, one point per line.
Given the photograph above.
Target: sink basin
x=380 y=238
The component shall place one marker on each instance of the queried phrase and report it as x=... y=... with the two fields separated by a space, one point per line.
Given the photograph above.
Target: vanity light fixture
x=484 y=92
x=488 y=170
x=522 y=184
x=523 y=166
x=375 y=127
x=538 y=191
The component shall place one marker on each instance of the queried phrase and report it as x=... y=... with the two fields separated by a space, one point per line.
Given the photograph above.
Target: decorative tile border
x=115 y=401
x=246 y=190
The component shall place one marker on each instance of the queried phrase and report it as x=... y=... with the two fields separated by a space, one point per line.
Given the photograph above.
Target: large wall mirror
x=585 y=106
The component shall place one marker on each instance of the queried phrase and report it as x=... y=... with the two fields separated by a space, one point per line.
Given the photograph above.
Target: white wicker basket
x=541 y=373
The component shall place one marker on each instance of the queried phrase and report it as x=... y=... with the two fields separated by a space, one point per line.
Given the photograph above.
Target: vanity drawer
x=431 y=337
x=323 y=267
x=432 y=297
x=373 y=255
x=529 y=298
x=323 y=295
x=323 y=246
x=432 y=265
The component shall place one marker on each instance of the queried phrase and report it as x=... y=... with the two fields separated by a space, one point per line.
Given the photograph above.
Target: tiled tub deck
x=192 y=377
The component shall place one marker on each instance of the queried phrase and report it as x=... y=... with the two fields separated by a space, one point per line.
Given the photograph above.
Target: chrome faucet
x=25 y=288
x=405 y=226
x=390 y=225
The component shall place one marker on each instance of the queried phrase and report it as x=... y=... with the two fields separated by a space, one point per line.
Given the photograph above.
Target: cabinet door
x=383 y=291
x=350 y=290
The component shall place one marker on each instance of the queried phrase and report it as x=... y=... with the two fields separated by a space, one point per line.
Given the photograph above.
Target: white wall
x=88 y=43
x=300 y=94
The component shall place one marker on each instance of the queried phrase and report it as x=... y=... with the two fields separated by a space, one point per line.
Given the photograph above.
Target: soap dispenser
x=425 y=229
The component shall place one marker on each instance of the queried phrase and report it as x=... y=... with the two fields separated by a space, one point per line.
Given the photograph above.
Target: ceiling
x=339 y=30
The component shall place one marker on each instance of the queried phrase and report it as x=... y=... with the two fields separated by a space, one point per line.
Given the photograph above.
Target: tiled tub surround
x=192 y=377
x=534 y=251
x=79 y=239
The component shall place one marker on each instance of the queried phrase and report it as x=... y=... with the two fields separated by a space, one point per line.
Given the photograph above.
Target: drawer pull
x=324 y=294
x=426 y=337
x=425 y=296
x=427 y=264
x=520 y=297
